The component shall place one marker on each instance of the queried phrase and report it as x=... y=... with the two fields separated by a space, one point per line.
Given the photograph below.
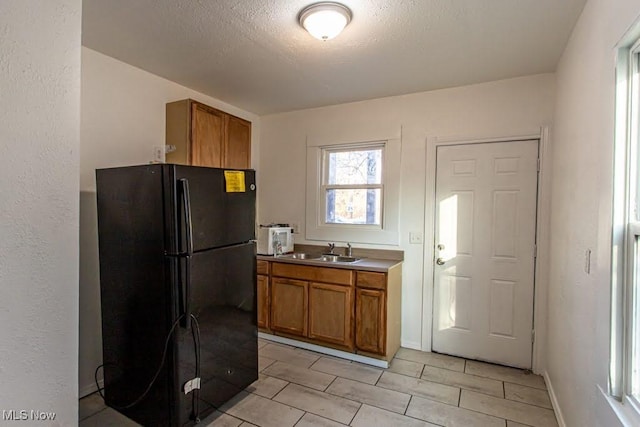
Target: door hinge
x=533 y=336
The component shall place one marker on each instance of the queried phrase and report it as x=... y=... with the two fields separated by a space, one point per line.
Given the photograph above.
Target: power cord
x=195 y=333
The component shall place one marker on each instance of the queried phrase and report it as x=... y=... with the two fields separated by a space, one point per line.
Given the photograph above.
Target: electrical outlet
x=296 y=227
x=415 y=237
x=158 y=154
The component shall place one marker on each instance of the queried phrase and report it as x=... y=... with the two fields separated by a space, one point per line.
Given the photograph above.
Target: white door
x=485 y=251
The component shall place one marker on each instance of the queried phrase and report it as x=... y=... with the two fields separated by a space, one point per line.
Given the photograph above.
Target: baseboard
x=89 y=389
x=326 y=350
x=554 y=400
x=412 y=345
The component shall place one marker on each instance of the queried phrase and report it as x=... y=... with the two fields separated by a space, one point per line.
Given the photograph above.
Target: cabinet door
x=289 y=301
x=237 y=143
x=331 y=313
x=207 y=126
x=263 y=301
x=370 y=320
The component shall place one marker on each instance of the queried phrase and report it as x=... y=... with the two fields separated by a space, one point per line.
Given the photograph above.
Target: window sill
x=626 y=412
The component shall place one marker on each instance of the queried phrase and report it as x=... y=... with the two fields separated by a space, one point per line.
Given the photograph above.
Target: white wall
x=503 y=108
x=39 y=142
x=123 y=118
x=578 y=332
x=123 y=114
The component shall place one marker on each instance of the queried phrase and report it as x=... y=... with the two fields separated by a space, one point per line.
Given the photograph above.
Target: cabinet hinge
x=533 y=336
x=538 y=165
x=535 y=251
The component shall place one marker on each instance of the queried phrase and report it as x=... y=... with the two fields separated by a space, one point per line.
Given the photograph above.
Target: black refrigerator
x=177 y=288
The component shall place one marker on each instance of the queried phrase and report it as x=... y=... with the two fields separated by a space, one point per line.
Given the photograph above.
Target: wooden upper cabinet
x=237 y=146
x=205 y=136
x=207 y=133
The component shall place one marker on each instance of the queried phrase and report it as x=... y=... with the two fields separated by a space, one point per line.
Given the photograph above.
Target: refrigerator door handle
x=186 y=291
x=186 y=201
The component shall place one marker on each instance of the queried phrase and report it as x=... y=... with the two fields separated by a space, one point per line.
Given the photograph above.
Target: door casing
x=542 y=264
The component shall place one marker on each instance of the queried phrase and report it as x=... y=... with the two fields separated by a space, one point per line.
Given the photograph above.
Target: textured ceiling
x=254 y=55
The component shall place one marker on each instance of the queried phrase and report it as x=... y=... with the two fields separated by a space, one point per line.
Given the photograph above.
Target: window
x=632 y=230
x=352 y=185
x=625 y=260
x=353 y=191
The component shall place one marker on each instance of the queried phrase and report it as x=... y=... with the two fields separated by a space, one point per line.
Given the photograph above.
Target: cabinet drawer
x=314 y=274
x=367 y=279
x=263 y=267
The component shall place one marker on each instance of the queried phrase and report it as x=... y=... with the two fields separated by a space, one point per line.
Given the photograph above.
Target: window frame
x=625 y=253
x=632 y=231
x=316 y=228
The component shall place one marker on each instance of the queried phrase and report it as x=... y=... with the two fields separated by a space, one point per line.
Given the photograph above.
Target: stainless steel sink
x=337 y=258
x=323 y=257
x=299 y=255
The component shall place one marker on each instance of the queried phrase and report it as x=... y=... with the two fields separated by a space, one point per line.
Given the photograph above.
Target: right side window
x=632 y=262
x=625 y=308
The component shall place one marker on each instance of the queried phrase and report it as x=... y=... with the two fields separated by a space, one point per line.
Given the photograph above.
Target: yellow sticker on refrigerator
x=234 y=181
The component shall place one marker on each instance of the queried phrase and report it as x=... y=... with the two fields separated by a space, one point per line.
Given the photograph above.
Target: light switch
x=415 y=237
x=587 y=261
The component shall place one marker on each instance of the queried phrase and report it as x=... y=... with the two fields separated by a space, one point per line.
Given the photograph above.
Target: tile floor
x=306 y=389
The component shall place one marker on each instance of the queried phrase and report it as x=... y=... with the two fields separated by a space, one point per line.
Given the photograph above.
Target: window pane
x=635 y=324
x=354 y=167
x=354 y=206
x=634 y=120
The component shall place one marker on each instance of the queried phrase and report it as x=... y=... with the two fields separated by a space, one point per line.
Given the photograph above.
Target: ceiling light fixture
x=324 y=20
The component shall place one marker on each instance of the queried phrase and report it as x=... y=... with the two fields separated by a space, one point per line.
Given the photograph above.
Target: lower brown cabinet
x=346 y=309
x=378 y=315
x=264 y=295
x=263 y=301
x=331 y=313
x=370 y=320
x=289 y=302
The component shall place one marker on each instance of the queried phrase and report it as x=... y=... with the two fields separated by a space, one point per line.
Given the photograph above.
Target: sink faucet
x=349 y=251
x=332 y=246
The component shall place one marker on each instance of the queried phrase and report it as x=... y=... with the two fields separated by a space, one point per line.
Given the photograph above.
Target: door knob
x=440 y=261
x=440 y=247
